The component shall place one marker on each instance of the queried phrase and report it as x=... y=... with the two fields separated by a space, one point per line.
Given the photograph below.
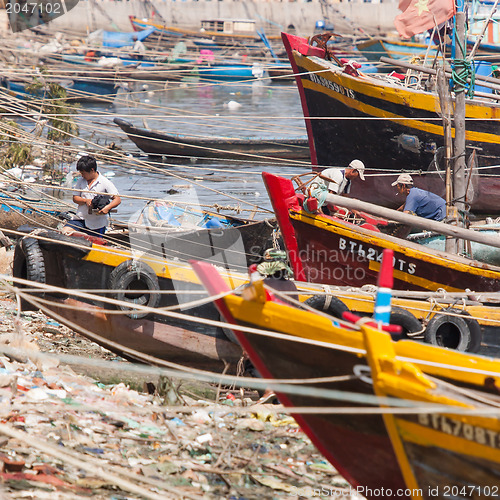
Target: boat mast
x=461 y=74
x=479 y=39
x=459 y=118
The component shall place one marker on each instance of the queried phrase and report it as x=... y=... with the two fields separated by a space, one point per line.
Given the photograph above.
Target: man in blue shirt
x=422 y=203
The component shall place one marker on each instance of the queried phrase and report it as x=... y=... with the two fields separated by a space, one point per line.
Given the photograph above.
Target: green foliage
x=56 y=108
x=13 y=151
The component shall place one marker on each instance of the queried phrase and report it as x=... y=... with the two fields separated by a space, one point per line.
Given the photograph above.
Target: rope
x=462 y=72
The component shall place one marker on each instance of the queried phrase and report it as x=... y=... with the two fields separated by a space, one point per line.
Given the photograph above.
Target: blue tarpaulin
x=122 y=39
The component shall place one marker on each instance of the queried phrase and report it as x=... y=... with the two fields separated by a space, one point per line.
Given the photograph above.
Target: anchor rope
x=463 y=71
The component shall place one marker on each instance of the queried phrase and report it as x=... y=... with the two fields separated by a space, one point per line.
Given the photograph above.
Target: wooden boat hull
x=385 y=125
x=218 y=36
x=83 y=68
x=353 y=259
x=90 y=266
x=241 y=245
x=158 y=143
x=176 y=343
x=78 y=90
x=357 y=445
x=374 y=49
x=17 y=211
x=325 y=249
x=441 y=454
x=313 y=347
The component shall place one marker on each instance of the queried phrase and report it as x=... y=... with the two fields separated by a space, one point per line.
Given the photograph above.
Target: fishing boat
x=117 y=39
x=93 y=60
x=333 y=250
x=156 y=142
x=374 y=48
x=17 y=210
x=77 y=90
x=223 y=31
x=77 y=264
x=388 y=125
x=447 y=452
x=179 y=231
x=329 y=357
x=114 y=68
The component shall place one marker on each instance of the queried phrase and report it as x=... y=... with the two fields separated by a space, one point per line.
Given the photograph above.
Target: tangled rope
x=463 y=71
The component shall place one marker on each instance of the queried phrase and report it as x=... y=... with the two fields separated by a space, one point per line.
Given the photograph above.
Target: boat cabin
x=230 y=26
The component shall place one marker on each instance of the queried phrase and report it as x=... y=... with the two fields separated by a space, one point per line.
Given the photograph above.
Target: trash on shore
x=63 y=433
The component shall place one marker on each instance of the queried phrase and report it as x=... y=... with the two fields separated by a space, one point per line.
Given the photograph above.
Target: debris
x=71 y=435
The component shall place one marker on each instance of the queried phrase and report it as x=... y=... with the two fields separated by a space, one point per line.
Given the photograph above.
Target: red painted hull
x=357 y=445
x=389 y=127
x=326 y=250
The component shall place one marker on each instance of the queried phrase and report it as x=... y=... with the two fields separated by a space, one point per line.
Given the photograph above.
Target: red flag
x=420 y=15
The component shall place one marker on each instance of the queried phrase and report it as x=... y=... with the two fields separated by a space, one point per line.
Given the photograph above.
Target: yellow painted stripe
x=163 y=268
x=421 y=435
x=431 y=127
x=302 y=324
x=427 y=102
x=373 y=239
x=392 y=93
x=415 y=280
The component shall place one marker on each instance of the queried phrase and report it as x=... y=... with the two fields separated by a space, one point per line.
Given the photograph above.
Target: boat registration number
x=364 y=253
x=469 y=432
x=331 y=85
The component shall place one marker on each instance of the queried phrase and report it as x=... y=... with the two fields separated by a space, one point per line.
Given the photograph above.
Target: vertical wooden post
x=445 y=105
x=459 y=187
x=443 y=90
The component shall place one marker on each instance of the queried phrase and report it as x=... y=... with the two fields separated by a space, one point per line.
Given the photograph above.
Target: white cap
x=359 y=166
x=403 y=179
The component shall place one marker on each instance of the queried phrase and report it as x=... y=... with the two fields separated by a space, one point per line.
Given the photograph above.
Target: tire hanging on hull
x=135 y=275
x=29 y=264
x=328 y=304
x=412 y=328
x=455 y=330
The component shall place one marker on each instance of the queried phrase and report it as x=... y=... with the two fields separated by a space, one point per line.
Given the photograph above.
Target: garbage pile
x=64 y=435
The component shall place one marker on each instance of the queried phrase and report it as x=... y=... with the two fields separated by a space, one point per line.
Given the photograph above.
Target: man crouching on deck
x=419 y=202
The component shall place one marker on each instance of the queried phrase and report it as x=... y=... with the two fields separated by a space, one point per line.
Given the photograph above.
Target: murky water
x=257 y=110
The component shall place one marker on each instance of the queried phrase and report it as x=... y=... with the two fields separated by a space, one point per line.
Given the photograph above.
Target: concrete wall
x=89 y=16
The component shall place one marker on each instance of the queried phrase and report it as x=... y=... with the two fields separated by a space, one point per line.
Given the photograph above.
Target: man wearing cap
x=422 y=203
x=339 y=179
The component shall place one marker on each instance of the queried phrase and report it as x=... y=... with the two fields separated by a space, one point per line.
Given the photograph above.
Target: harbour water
x=260 y=110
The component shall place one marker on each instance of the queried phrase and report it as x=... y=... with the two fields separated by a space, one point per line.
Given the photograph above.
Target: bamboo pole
x=413 y=220
x=445 y=104
x=459 y=121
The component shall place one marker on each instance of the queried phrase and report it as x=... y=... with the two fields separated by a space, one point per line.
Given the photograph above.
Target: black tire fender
x=135 y=275
x=475 y=331
x=328 y=304
x=453 y=332
x=29 y=264
x=407 y=321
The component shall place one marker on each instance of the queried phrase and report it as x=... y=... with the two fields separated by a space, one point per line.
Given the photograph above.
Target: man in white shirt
x=91 y=185
x=339 y=179
x=139 y=48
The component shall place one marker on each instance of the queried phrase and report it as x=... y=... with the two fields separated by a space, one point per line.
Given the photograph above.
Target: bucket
x=482 y=68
